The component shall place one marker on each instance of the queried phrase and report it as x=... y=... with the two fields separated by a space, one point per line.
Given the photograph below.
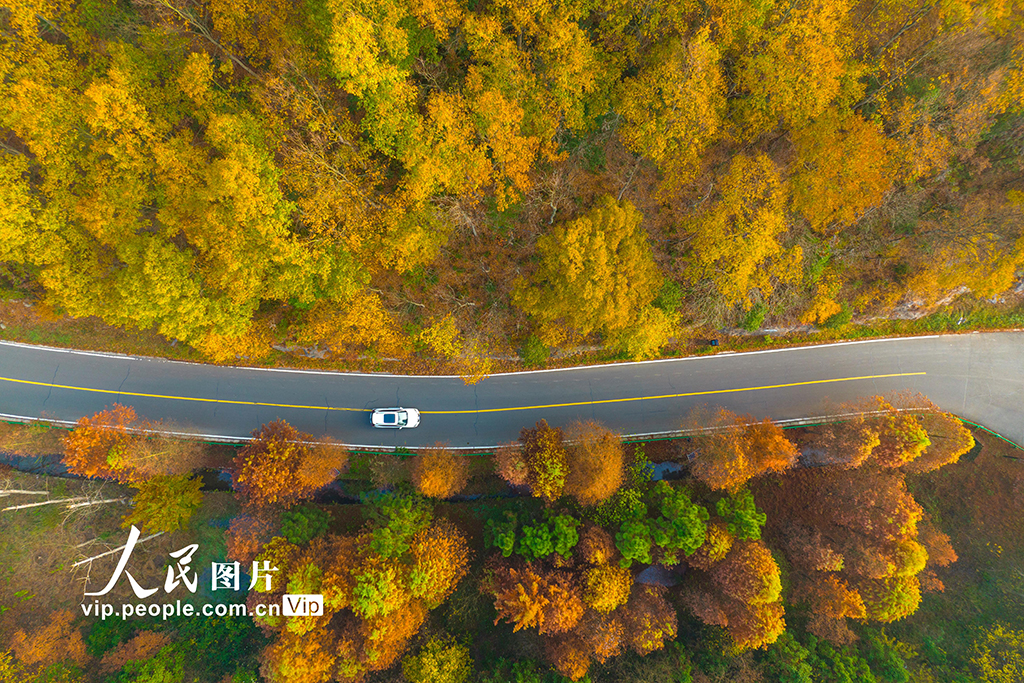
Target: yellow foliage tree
x=798 y=69
x=363 y=325
x=442 y=337
x=606 y=587
x=999 y=655
x=596 y=272
x=673 y=109
x=842 y=168
x=735 y=244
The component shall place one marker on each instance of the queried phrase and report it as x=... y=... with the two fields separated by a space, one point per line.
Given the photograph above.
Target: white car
x=395 y=418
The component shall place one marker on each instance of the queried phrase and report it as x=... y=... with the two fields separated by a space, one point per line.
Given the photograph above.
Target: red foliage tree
x=510 y=464
x=246 y=535
x=649 y=619
x=749 y=573
x=844 y=444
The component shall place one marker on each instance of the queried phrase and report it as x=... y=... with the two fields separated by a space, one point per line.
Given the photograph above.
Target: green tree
x=741 y=515
x=501 y=534
x=164 y=503
x=786 y=661
x=837 y=664
x=394 y=519
x=552 y=534
x=301 y=524
x=634 y=541
x=441 y=660
x=681 y=524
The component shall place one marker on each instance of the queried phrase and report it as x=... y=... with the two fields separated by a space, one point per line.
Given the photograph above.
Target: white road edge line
x=642 y=435
x=342 y=373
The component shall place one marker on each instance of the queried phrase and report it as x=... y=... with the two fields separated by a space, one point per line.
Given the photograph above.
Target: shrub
x=534 y=352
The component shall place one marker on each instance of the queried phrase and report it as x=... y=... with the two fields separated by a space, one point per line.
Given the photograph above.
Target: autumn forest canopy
x=813 y=555
x=464 y=179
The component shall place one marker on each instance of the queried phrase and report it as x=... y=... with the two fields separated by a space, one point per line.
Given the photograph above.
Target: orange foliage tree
x=595 y=462
x=439 y=473
x=733 y=449
x=57 y=641
x=439 y=555
x=281 y=466
x=305 y=658
x=842 y=168
x=532 y=596
x=97 y=446
x=948 y=439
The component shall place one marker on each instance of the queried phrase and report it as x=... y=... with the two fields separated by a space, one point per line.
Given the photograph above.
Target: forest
x=882 y=549
x=467 y=184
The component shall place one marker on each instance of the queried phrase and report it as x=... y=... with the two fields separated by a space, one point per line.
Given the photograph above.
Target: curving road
x=979 y=376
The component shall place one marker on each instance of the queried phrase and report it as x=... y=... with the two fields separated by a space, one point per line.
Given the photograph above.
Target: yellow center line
x=466 y=412
x=654 y=398
x=180 y=398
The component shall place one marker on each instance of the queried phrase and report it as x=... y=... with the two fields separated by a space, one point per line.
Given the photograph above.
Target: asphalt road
x=977 y=376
